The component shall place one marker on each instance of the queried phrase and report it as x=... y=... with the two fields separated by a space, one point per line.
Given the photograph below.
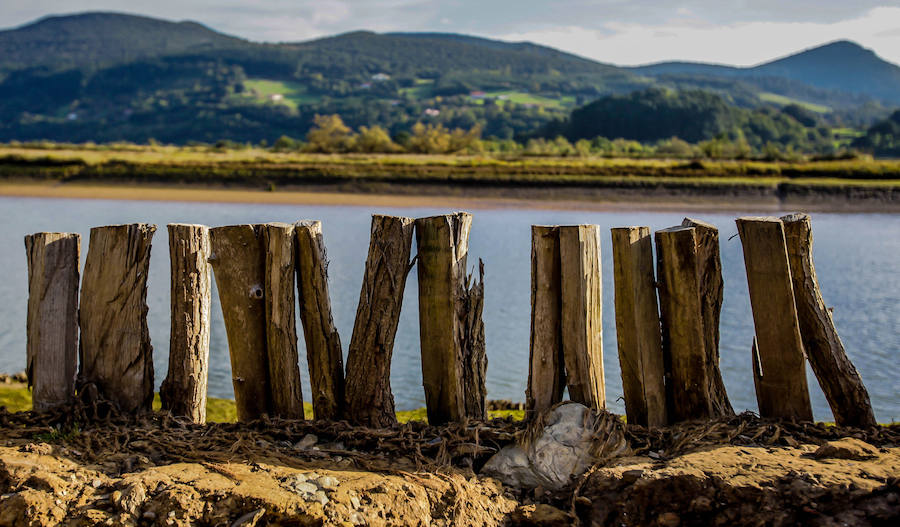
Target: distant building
x=276 y=97
x=432 y=112
x=477 y=94
x=365 y=85
x=72 y=116
x=381 y=77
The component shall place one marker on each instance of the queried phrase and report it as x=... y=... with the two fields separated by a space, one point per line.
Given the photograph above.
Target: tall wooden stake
x=709 y=267
x=683 y=336
x=183 y=392
x=782 y=389
x=582 y=313
x=546 y=366
x=451 y=368
x=846 y=394
x=368 y=383
x=281 y=322
x=52 y=323
x=116 y=355
x=239 y=263
x=323 y=344
x=638 y=327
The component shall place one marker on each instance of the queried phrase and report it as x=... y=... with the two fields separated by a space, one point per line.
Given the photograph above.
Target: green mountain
x=94 y=39
x=110 y=76
x=843 y=66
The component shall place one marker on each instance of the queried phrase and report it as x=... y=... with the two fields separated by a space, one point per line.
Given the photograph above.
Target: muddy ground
x=76 y=467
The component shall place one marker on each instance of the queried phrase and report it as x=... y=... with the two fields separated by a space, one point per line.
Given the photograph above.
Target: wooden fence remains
x=667 y=325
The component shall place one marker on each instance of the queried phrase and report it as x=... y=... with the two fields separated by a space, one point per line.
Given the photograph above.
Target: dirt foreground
x=160 y=471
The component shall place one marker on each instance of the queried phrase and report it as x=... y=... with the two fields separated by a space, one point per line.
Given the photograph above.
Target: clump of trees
x=329 y=135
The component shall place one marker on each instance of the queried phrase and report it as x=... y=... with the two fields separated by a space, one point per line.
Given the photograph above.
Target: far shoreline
x=440 y=196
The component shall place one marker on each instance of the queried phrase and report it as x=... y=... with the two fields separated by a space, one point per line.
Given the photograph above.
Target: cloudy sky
x=623 y=32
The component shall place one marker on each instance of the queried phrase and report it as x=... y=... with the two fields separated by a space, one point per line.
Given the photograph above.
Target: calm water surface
x=857 y=258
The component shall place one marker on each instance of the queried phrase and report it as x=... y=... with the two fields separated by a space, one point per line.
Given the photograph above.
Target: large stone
x=572 y=438
x=846 y=448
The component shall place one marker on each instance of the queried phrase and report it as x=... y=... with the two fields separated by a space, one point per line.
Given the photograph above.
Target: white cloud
x=741 y=44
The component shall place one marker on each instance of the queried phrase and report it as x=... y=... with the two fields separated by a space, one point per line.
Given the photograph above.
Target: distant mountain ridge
x=840 y=65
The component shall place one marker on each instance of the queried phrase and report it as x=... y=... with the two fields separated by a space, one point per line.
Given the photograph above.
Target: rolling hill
x=842 y=65
x=113 y=76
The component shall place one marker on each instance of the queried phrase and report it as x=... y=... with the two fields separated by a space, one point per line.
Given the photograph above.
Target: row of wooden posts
x=668 y=348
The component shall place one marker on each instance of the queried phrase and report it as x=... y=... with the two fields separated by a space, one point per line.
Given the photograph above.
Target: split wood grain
x=323 y=344
x=782 y=387
x=52 y=319
x=239 y=264
x=116 y=355
x=184 y=390
x=369 y=400
x=843 y=387
x=546 y=365
x=638 y=327
x=582 y=314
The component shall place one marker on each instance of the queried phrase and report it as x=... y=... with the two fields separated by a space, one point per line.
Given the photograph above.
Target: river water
x=857 y=258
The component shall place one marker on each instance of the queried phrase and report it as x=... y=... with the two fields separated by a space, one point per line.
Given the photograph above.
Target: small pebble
x=327 y=482
x=149 y=515
x=321 y=497
x=171 y=514
x=304 y=487
x=354 y=501
x=96 y=483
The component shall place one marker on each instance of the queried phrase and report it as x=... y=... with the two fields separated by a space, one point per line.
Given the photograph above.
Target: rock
x=354 y=502
x=541 y=515
x=307 y=441
x=327 y=482
x=846 y=448
x=304 y=487
x=572 y=438
x=249 y=519
x=320 y=497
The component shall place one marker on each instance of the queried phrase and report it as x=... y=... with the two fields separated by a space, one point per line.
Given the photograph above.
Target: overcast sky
x=625 y=32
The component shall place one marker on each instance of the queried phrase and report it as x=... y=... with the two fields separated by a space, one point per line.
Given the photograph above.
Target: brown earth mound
x=75 y=468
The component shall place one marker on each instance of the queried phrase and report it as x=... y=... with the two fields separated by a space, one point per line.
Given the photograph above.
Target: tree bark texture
x=52 y=323
x=116 y=355
x=782 y=389
x=638 y=327
x=843 y=387
x=184 y=390
x=452 y=369
x=239 y=263
x=323 y=344
x=546 y=365
x=683 y=336
x=369 y=400
x=709 y=267
x=582 y=314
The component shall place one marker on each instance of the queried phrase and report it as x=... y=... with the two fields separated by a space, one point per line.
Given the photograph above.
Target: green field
x=518 y=97
x=262 y=89
x=774 y=98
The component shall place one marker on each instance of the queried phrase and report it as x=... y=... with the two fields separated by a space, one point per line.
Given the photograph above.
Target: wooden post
x=782 y=390
x=546 y=366
x=681 y=314
x=638 y=327
x=116 y=355
x=474 y=359
x=52 y=323
x=323 y=344
x=837 y=376
x=368 y=383
x=239 y=263
x=183 y=392
x=709 y=267
x=281 y=322
x=582 y=313
x=452 y=370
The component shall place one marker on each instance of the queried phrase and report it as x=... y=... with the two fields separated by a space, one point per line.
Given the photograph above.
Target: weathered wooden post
x=582 y=313
x=116 y=355
x=369 y=400
x=681 y=314
x=638 y=327
x=546 y=365
x=453 y=359
x=239 y=263
x=183 y=392
x=709 y=269
x=281 y=322
x=781 y=388
x=52 y=323
x=837 y=376
x=323 y=344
